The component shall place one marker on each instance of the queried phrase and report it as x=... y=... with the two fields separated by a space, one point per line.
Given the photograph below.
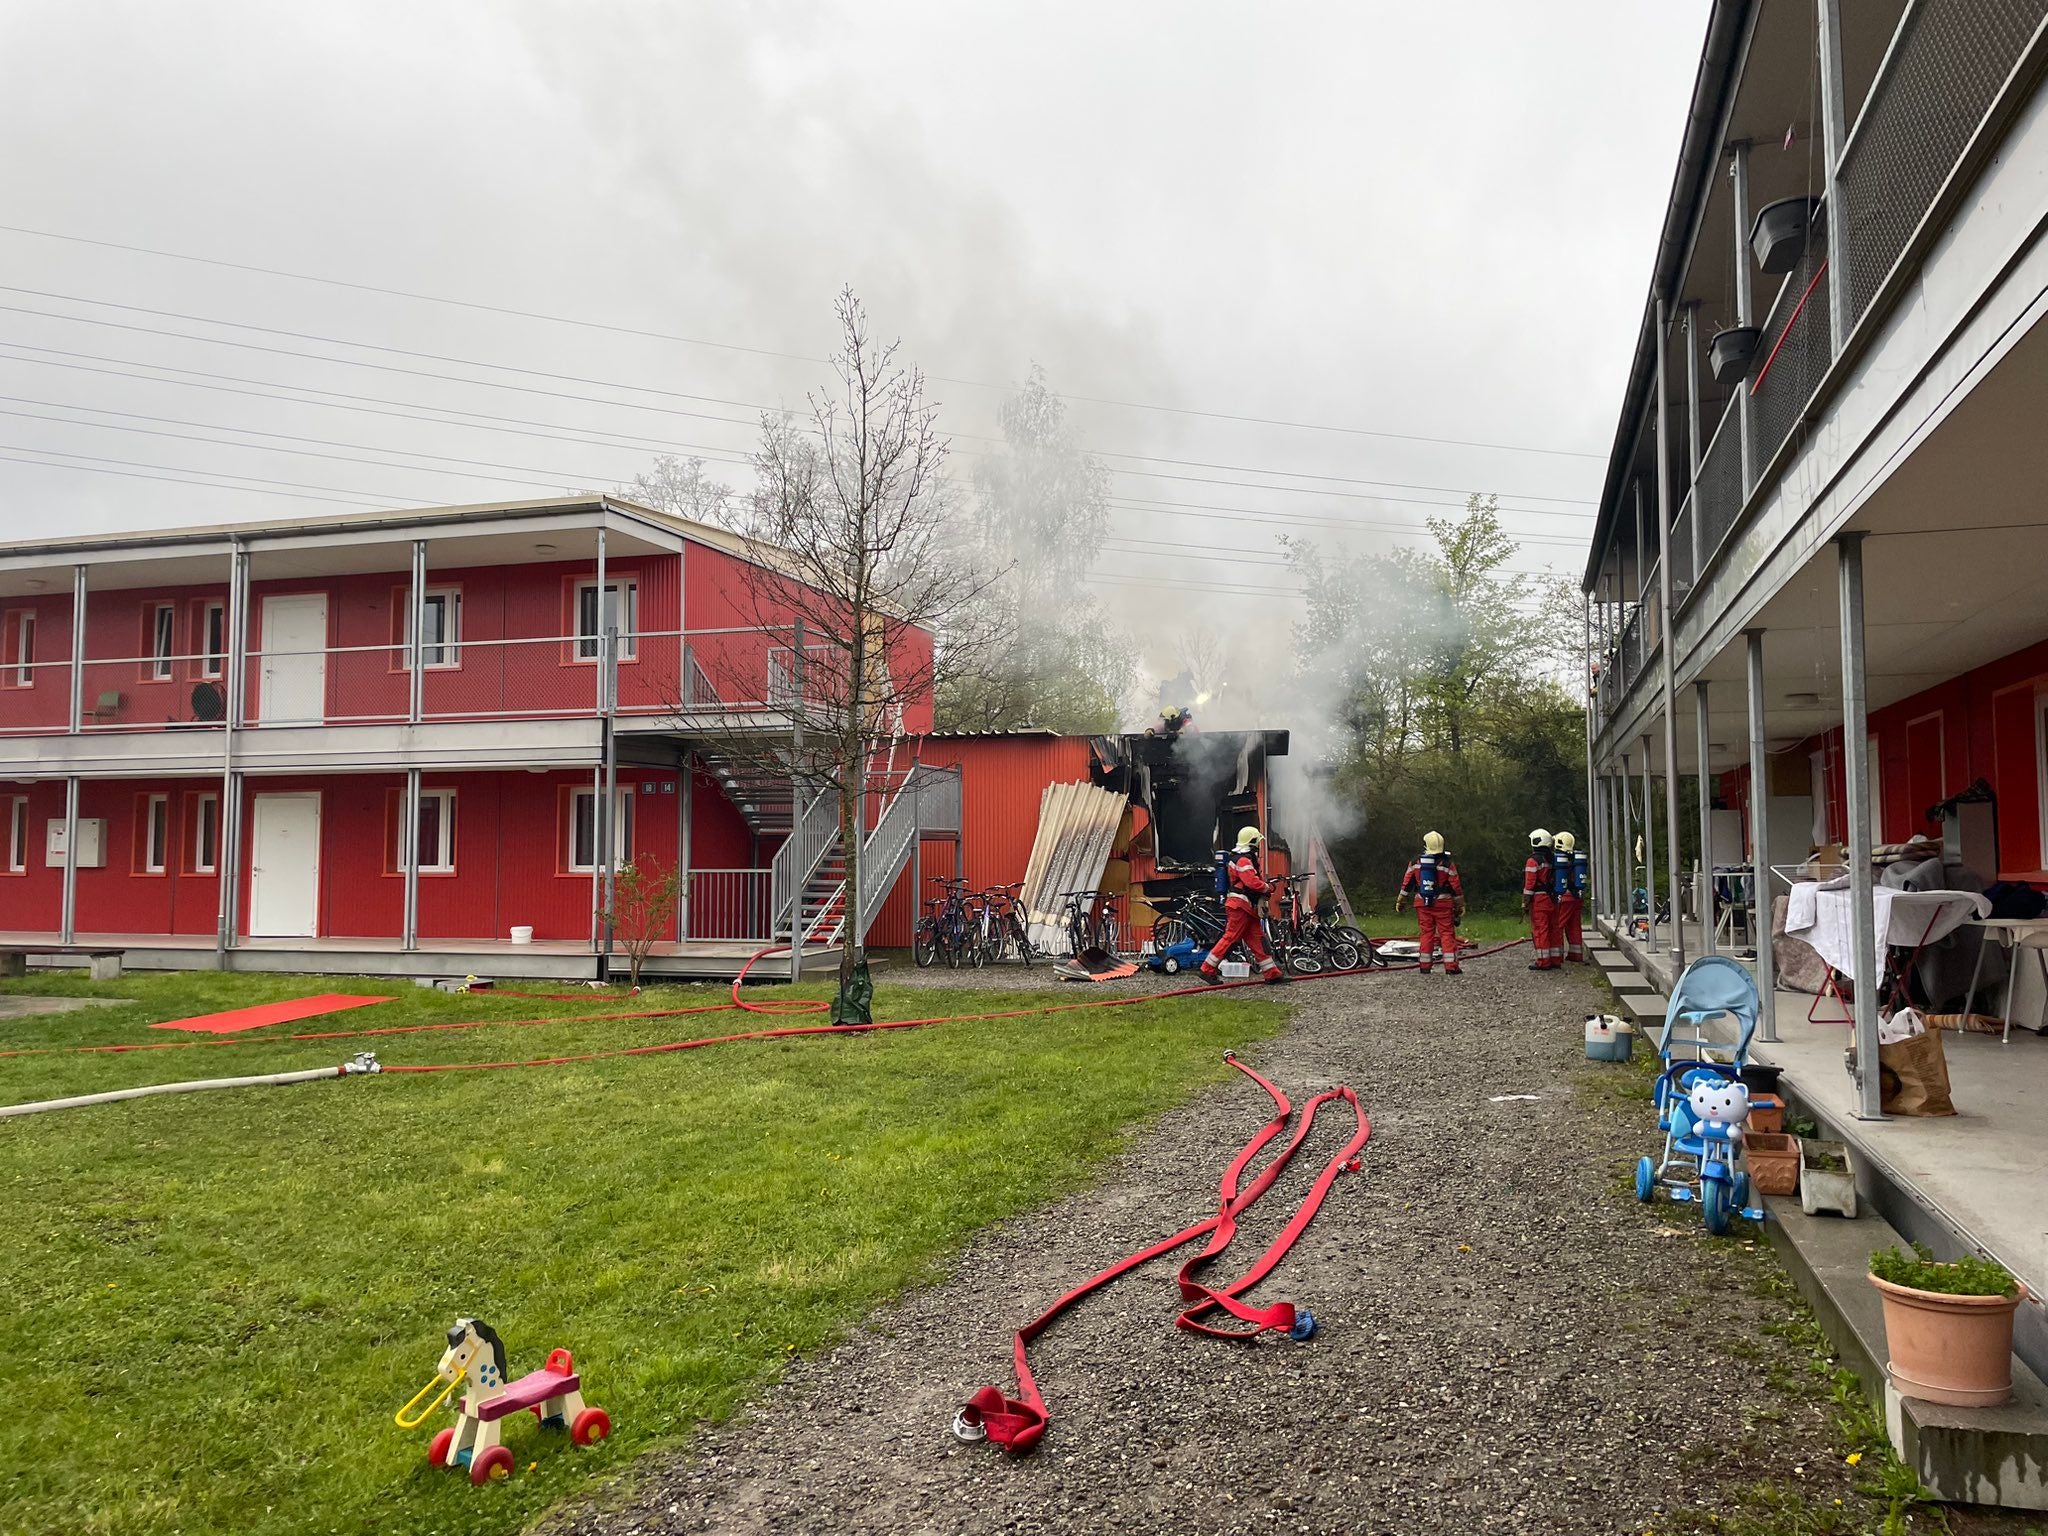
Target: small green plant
x=1922 y=1271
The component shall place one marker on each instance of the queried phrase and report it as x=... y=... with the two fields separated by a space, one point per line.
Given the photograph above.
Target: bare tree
x=1042 y=511
x=681 y=488
x=852 y=528
x=1205 y=657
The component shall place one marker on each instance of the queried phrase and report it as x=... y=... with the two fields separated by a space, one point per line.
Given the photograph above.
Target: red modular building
x=233 y=730
x=222 y=747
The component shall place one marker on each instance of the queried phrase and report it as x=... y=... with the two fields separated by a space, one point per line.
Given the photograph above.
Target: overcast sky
x=1434 y=220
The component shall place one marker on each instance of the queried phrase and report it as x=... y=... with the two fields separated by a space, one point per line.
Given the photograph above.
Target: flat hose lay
x=1019 y=1423
x=774 y=1007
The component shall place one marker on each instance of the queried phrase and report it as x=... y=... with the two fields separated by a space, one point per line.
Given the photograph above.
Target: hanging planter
x=1947 y=1326
x=1730 y=351
x=1778 y=237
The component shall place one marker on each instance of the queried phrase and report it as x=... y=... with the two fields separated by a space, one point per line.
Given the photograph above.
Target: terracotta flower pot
x=1949 y=1349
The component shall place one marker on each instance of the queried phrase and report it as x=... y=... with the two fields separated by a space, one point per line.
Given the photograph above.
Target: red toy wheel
x=591 y=1426
x=437 y=1448
x=493 y=1466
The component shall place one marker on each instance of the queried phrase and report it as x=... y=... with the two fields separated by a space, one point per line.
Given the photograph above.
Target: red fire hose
x=1018 y=1424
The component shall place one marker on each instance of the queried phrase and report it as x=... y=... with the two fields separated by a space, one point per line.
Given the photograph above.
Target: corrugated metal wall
x=1002 y=778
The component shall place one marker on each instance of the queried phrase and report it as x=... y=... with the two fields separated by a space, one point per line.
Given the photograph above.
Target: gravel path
x=1509 y=1343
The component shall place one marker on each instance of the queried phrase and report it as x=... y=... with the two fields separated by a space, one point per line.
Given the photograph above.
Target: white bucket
x=522 y=935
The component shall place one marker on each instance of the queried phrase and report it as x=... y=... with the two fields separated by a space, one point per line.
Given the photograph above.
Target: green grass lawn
x=214 y=1302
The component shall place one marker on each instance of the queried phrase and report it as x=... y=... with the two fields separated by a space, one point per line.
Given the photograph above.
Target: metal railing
x=1796 y=348
x=728 y=904
x=1945 y=67
x=1717 y=492
x=533 y=677
x=806 y=848
x=1682 y=572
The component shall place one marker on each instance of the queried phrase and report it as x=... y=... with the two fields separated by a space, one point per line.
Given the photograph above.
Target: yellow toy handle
x=420 y=1417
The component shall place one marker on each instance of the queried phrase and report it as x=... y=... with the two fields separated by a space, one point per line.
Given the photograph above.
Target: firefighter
x=1569 y=883
x=1241 y=909
x=1539 y=902
x=1432 y=881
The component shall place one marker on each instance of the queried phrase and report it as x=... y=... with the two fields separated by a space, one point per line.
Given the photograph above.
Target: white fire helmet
x=1432 y=842
x=1539 y=838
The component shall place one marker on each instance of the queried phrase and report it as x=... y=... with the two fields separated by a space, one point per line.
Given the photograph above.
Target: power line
x=568 y=378
x=696 y=341
x=376 y=498
x=346 y=501
x=527 y=426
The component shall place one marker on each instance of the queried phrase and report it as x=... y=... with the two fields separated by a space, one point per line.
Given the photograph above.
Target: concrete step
x=1996 y=1456
x=1644 y=1008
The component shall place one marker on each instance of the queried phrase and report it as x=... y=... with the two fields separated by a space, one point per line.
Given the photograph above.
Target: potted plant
x=1730 y=351
x=1826 y=1181
x=1947 y=1325
x=1778 y=237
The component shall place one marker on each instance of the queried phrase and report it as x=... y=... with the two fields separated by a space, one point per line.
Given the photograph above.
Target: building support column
x=409 y=842
x=1705 y=882
x=1624 y=884
x=234 y=674
x=416 y=648
x=1761 y=896
x=1692 y=439
x=600 y=814
x=1834 y=134
x=684 y=793
x=1745 y=309
x=77 y=690
x=1669 y=645
x=1650 y=848
x=1856 y=767
x=800 y=813
x=67 y=929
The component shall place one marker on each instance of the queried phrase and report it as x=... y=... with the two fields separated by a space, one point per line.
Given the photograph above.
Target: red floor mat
x=236 y=1020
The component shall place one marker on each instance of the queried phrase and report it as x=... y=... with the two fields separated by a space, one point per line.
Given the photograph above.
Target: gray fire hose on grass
x=362 y=1064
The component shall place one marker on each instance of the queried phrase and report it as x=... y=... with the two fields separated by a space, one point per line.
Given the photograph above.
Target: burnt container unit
x=1196 y=788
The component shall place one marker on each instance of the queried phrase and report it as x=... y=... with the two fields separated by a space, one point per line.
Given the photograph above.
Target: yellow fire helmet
x=1566 y=841
x=1248 y=837
x=1539 y=838
x=1432 y=842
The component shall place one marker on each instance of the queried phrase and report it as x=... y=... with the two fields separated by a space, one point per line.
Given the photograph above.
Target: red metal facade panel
x=1001 y=781
x=1933 y=744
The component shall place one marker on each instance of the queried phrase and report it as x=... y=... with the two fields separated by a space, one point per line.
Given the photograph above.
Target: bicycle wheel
x=924 y=943
x=1106 y=936
x=1020 y=937
x=1166 y=933
x=1343 y=955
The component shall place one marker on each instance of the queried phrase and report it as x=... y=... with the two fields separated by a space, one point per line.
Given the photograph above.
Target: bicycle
x=1004 y=933
x=1306 y=942
x=1084 y=931
x=944 y=930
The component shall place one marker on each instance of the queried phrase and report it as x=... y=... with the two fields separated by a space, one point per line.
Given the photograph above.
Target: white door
x=284 y=867
x=293 y=666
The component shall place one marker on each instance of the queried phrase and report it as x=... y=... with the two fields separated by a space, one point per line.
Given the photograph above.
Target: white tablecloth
x=1822 y=918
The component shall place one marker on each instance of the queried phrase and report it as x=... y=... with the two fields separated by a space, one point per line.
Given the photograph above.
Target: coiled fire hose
x=1019 y=1423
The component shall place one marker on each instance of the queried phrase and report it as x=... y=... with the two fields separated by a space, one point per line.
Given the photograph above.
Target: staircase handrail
x=810 y=841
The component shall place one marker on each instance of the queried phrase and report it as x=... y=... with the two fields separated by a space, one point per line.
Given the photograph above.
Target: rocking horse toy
x=553 y=1393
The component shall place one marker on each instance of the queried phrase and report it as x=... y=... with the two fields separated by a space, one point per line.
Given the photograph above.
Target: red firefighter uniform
x=1241 y=910
x=1569 y=880
x=1539 y=900
x=1432 y=884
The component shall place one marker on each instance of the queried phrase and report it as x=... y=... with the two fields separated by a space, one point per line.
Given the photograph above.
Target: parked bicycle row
x=969 y=928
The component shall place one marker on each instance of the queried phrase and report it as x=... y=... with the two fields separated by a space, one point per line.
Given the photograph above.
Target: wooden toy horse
x=475 y=1352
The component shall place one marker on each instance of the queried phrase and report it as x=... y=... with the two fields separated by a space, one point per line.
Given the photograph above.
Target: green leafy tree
x=1441 y=672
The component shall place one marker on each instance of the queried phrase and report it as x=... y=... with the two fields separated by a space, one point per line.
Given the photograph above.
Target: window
x=213 y=639
x=205 y=834
x=436 y=827
x=163 y=641
x=621 y=611
x=582 y=841
x=156 y=828
x=23 y=672
x=442 y=623
x=17 y=835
